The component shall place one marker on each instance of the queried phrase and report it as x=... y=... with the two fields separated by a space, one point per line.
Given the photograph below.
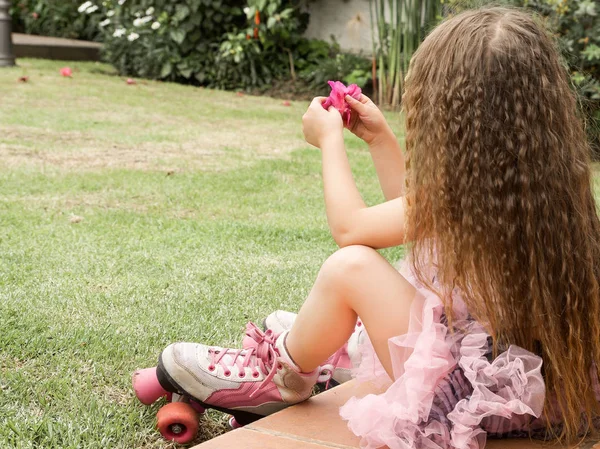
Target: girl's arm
x=389 y=164
x=368 y=123
x=350 y=220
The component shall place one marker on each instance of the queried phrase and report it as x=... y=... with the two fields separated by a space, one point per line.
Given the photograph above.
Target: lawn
x=133 y=216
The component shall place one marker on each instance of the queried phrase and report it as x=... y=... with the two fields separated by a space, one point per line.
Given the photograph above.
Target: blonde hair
x=499 y=187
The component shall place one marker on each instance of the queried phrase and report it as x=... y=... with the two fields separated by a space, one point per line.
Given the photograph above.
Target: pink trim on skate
x=241 y=397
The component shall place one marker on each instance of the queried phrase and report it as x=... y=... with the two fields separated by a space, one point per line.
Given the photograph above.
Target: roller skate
x=245 y=383
x=178 y=419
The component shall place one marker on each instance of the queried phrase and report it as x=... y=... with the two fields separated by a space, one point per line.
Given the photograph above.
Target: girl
x=503 y=271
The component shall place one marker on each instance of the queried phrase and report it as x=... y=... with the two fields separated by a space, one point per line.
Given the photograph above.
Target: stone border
x=30 y=46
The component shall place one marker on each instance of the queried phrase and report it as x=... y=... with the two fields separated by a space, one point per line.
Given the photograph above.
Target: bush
x=325 y=62
x=227 y=44
x=577 y=24
x=265 y=48
x=162 y=39
x=66 y=18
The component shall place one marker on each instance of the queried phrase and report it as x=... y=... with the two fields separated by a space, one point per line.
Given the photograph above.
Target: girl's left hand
x=318 y=123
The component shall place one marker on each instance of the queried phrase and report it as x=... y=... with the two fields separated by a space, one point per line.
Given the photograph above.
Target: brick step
x=316 y=424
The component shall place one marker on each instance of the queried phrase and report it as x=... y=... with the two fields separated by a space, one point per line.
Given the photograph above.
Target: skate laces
x=328 y=369
x=261 y=358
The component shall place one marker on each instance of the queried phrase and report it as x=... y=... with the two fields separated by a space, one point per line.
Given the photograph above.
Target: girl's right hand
x=366 y=121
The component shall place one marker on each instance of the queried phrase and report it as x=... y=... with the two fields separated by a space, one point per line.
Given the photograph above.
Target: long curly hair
x=500 y=196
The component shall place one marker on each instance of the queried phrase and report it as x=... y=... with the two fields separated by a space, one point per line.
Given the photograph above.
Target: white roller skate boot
x=247 y=383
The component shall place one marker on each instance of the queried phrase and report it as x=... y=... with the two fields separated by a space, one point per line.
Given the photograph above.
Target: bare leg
x=355 y=280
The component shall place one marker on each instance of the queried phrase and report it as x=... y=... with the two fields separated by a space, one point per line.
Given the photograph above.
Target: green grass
x=201 y=210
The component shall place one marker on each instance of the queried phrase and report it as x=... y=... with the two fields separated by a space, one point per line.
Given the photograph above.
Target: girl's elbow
x=344 y=237
x=342 y=242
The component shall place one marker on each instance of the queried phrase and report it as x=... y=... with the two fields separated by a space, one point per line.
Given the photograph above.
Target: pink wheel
x=146 y=386
x=233 y=423
x=177 y=422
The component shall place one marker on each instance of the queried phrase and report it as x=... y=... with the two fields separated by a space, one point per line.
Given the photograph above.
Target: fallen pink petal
x=337 y=98
x=130 y=81
x=287 y=103
x=66 y=71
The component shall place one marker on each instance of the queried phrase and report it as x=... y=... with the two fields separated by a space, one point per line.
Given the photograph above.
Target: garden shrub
x=324 y=62
x=167 y=40
x=227 y=44
x=58 y=18
x=576 y=24
x=266 y=48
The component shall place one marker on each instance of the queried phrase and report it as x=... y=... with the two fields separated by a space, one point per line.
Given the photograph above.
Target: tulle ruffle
x=500 y=396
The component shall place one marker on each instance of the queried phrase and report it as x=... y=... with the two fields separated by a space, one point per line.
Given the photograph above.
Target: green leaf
x=271 y=22
x=586 y=8
x=577 y=78
x=272 y=8
x=196 y=19
x=195 y=5
x=166 y=70
x=195 y=36
x=186 y=73
x=178 y=35
x=181 y=12
x=591 y=52
x=287 y=13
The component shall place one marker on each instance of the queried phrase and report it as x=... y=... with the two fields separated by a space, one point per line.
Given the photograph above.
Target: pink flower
x=130 y=81
x=337 y=98
x=287 y=103
x=35 y=15
x=66 y=71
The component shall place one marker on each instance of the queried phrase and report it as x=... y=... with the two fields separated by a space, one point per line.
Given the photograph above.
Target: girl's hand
x=318 y=123
x=367 y=121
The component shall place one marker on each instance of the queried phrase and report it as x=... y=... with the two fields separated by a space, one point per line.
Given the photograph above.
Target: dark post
x=7 y=58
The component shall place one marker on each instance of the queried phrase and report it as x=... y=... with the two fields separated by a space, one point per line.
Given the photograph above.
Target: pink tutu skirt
x=448 y=392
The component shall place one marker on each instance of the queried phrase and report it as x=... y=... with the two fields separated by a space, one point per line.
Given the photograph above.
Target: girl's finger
x=318 y=101
x=355 y=104
x=364 y=99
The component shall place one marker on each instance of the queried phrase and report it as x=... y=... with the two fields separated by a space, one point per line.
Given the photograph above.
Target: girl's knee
x=350 y=261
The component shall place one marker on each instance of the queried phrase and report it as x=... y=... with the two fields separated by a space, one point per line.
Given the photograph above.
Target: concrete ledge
x=316 y=424
x=30 y=46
